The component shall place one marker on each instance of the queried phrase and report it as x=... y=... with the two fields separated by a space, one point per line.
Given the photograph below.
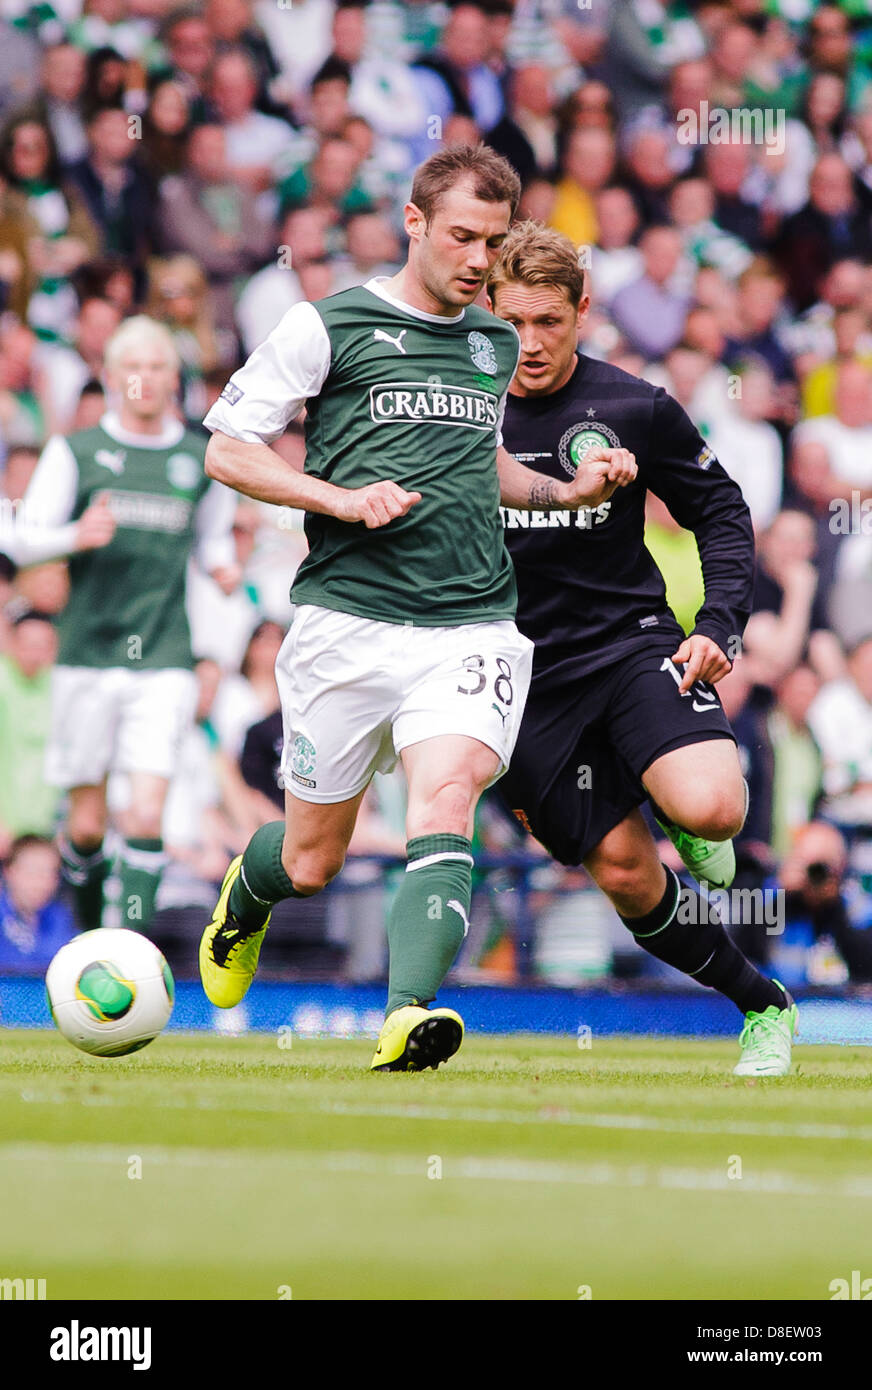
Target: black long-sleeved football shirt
x=589 y=590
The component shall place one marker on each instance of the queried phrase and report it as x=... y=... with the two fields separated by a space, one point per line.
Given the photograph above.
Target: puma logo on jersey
x=381 y=337
x=457 y=907
x=503 y=714
x=113 y=460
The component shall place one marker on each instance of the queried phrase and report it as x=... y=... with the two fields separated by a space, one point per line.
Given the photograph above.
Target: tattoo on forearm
x=543 y=493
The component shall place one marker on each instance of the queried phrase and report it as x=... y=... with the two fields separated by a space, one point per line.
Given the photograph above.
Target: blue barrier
x=328 y=1010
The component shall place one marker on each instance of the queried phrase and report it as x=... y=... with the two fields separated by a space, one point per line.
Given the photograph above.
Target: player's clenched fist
x=376 y=504
x=601 y=472
x=95 y=527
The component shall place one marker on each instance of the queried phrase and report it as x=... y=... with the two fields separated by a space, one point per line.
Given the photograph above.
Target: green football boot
x=766 y=1040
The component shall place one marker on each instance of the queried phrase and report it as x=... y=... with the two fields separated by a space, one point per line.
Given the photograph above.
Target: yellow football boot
x=413 y=1039
x=228 y=950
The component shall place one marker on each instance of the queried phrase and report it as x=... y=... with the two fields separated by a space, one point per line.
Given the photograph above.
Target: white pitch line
x=763 y=1129
x=652 y=1123
x=533 y=1171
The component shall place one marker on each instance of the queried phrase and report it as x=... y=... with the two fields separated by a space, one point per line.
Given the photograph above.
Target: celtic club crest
x=574 y=444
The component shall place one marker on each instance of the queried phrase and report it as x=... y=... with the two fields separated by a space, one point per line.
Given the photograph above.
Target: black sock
x=702 y=949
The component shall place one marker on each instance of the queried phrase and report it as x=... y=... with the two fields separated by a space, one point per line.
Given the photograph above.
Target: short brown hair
x=534 y=254
x=493 y=178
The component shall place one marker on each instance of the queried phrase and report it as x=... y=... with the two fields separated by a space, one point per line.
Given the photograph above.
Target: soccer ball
x=110 y=991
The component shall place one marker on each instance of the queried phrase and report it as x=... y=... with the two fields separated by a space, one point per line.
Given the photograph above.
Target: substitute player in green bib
x=403 y=642
x=129 y=502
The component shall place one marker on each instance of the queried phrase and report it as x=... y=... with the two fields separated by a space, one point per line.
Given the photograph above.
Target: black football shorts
x=585 y=743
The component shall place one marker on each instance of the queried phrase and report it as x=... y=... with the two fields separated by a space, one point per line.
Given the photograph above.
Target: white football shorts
x=356 y=692
x=114 y=719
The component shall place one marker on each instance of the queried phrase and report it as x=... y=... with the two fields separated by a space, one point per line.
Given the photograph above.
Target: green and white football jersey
x=127 y=599
x=391 y=393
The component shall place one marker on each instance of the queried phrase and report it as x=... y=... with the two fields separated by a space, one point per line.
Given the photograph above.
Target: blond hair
x=138 y=332
x=533 y=254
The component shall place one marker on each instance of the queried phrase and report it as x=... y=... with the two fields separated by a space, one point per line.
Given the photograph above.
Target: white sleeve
x=41 y=529
x=269 y=391
x=213 y=522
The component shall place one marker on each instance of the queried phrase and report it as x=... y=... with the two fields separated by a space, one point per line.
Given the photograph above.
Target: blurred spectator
x=105 y=81
x=819 y=129
x=642 y=44
x=588 y=165
x=454 y=78
x=329 y=183
x=649 y=172
x=691 y=209
x=372 y=249
x=26 y=803
x=67 y=367
x=732 y=54
x=17 y=276
x=248 y=697
x=179 y=297
x=760 y=307
x=62 y=85
x=19 y=67
x=204 y=213
x=254 y=141
x=797 y=759
x=383 y=88
x=34 y=923
x=830 y=227
x=116 y=190
x=270 y=292
x=66 y=235
x=166 y=125
x=847 y=433
x=109 y=278
x=648 y=311
x=727 y=168
x=232 y=25
x=615 y=260
x=22 y=416
x=852 y=342
x=108 y=24
x=91 y=406
x=222 y=623
x=527 y=134
x=748 y=447
x=190 y=49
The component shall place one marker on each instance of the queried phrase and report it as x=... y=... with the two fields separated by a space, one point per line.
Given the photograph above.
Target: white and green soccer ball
x=110 y=991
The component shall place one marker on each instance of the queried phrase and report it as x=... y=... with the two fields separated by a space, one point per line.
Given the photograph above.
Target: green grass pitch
x=527 y=1168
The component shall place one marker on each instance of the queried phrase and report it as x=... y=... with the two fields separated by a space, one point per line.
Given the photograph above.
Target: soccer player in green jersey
x=128 y=501
x=403 y=642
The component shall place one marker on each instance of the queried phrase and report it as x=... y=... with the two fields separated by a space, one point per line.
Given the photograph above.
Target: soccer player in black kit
x=622 y=706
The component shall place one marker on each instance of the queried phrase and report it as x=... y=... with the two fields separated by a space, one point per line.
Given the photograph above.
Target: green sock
x=85 y=871
x=140 y=865
x=429 y=917
x=263 y=880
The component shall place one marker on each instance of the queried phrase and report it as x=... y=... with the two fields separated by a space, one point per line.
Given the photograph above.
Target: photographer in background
x=819 y=943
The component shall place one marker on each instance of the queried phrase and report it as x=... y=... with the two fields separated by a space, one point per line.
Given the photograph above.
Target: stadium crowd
x=213 y=164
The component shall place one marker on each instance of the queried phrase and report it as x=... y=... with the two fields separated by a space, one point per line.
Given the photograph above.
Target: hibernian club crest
x=574 y=444
x=303 y=761
x=481 y=350
x=183 y=471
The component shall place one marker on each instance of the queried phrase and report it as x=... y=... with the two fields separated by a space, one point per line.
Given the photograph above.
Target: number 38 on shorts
x=356 y=692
